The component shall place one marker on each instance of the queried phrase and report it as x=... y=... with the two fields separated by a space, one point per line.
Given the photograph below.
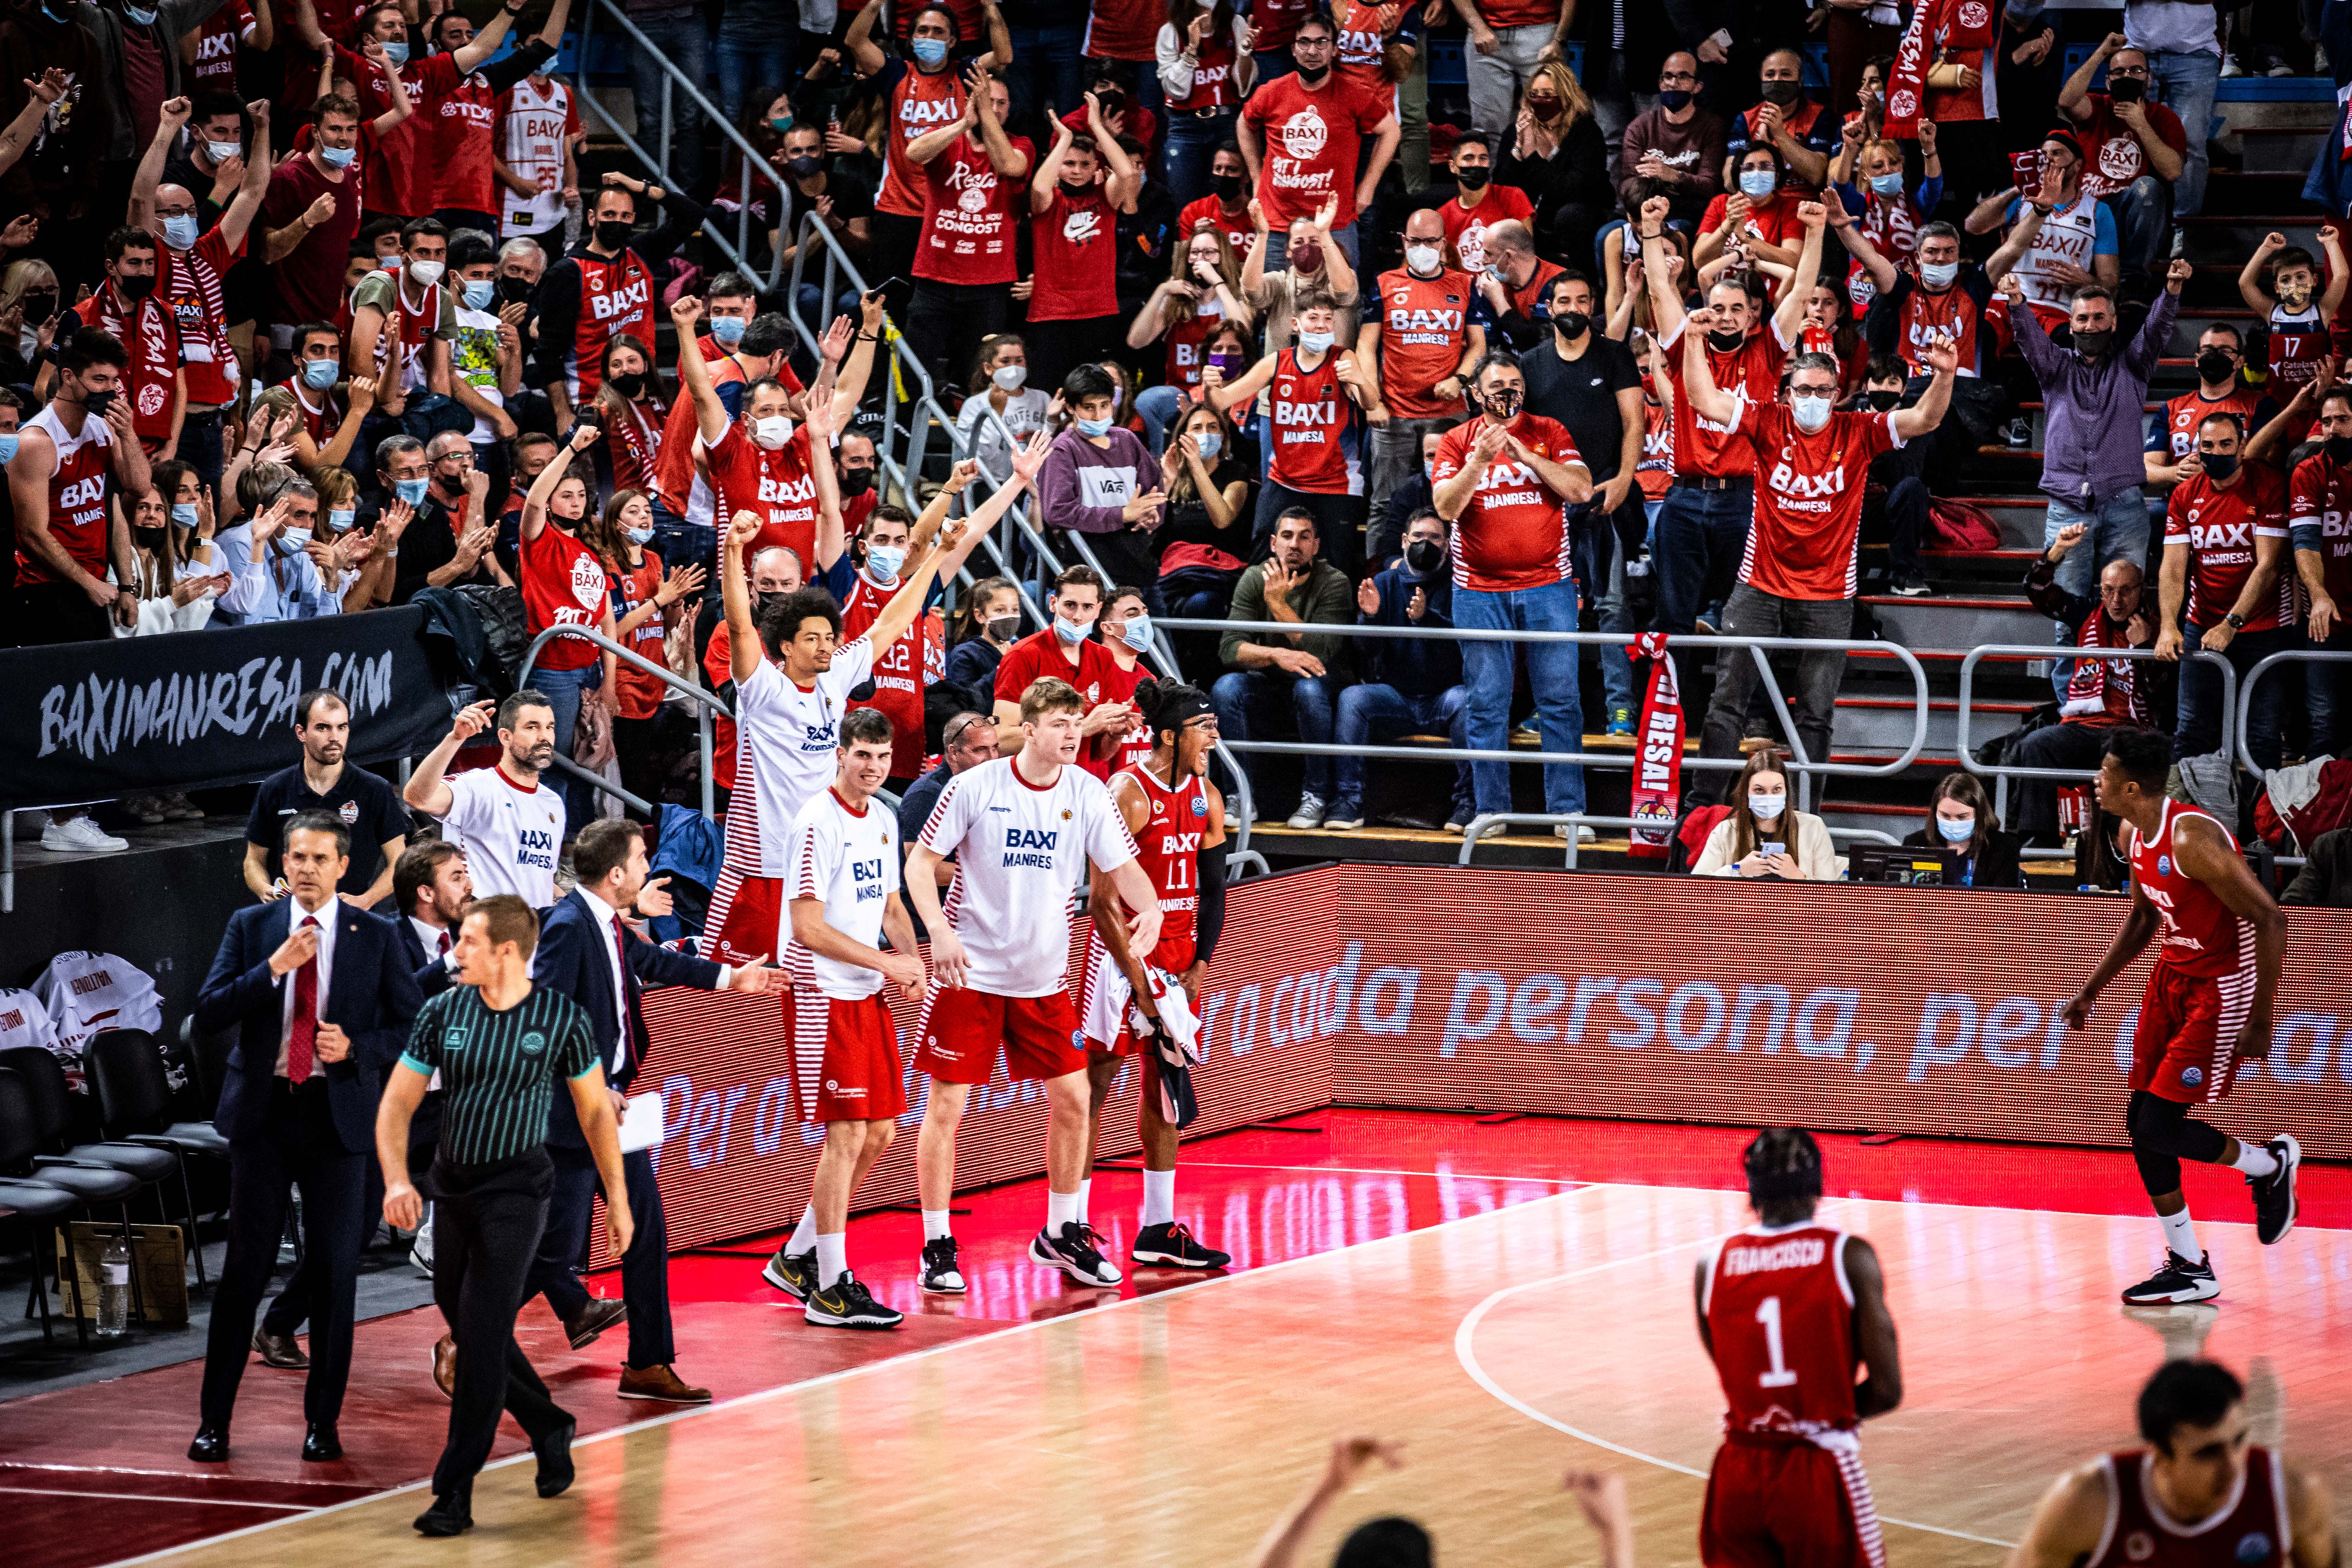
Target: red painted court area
x=97 y=1473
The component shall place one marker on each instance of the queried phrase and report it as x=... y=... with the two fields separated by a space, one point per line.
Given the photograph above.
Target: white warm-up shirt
x=849 y=859
x=1019 y=848
x=512 y=834
x=786 y=738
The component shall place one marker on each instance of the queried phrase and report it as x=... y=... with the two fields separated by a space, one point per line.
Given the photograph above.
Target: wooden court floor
x=1502 y=1348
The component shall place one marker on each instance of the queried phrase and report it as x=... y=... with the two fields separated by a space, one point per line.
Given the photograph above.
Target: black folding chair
x=41 y=1201
x=45 y=1080
x=125 y=1068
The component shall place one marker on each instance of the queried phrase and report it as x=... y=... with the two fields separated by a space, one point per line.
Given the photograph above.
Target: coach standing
x=586 y=951
x=322 y=781
x=501 y=1046
x=323 y=995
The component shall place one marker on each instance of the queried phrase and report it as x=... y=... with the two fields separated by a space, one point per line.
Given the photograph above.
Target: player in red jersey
x=1789 y=1309
x=1176 y=819
x=2207 y=1007
x=2201 y=1495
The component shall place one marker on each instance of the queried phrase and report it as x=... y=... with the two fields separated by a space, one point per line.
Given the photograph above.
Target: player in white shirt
x=508 y=822
x=1020 y=828
x=844 y=879
x=537 y=162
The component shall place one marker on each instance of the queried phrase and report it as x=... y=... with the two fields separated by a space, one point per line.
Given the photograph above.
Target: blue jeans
x=1372 y=715
x=1551 y=672
x=2188 y=83
x=2118 y=530
x=562 y=688
x=1158 y=407
x=2143 y=212
x=1695 y=550
x=1260 y=704
x=811 y=300
x=1600 y=558
x=2327 y=688
x=1047 y=68
x=1272 y=63
x=755 y=54
x=1193 y=143
x=2198 y=729
x=686 y=43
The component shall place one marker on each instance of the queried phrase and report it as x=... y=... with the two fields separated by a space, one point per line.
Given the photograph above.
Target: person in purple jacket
x=1095 y=481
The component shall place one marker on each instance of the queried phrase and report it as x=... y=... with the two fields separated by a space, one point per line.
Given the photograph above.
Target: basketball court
x=1509 y=1298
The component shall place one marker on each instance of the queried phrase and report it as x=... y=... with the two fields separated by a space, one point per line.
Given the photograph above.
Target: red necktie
x=302 y=1035
x=442 y=951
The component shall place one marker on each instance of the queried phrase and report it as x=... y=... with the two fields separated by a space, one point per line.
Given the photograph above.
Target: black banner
x=96 y=720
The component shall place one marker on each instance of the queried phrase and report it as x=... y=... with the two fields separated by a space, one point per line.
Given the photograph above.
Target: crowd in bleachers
x=1514 y=316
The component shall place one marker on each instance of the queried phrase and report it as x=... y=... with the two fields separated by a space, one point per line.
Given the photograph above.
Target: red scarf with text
x=1658 y=768
x=1938 y=27
x=2104 y=690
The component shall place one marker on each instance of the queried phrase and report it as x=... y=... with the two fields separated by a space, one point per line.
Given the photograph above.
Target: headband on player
x=1183 y=710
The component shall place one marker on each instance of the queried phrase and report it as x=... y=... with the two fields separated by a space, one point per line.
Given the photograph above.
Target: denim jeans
x=685 y=44
x=755 y=47
x=1748 y=614
x=1262 y=704
x=2143 y=212
x=1373 y=714
x=811 y=300
x=1272 y=63
x=562 y=688
x=2116 y=530
x=2188 y=83
x=1395 y=457
x=1496 y=79
x=2328 y=688
x=1193 y=143
x=2199 y=729
x=1047 y=68
x=1551 y=673
x=1158 y=407
x=1600 y=558
x=1695 y=548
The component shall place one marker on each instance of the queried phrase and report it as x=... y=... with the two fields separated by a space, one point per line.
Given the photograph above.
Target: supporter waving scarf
x=1956 y=27
x=1658 y=773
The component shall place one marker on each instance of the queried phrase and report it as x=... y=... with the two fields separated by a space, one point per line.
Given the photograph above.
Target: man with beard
x=321 y=780
x=507 y=821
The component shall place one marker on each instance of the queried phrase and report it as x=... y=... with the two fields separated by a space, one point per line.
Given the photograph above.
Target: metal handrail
x=926 y=398
x=1485 y=822
x=2004 y=771
x=672 y=79
x=2246 y=694
x=706 y=703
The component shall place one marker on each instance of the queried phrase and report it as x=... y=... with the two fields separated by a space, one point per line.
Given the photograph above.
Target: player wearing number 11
x=1787 y=1308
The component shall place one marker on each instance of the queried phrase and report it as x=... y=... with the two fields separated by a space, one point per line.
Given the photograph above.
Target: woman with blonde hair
x=1556 y=153
x=1202 y=292
x=29 y=312
x=1766 y=835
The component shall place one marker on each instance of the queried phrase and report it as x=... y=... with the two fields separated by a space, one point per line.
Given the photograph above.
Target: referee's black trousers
x=486 y=1232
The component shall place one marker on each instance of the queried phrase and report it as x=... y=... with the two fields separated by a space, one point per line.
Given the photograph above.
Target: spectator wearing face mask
x=1068 y=651
x=1868 y=183
x=1080 y=187
x=1759 y=215
x=2101 y=693
x=1204 y=540
x=1276 y=273
x=1422 y=344
x=2225 y=589
x=1478 y=202
x=1799 y=131
x=1321 y=398
x=895 y=545
x=999 y=394
x=1128 y=638
x=1288 y=681
x=447 y=537
x=1556 y=153
x=1960 y=817
x=981 y=628
x=1675 y=149
x=1201 y=293
x=1411 y=685
x=1895 y=502
x=125 y=308
x=2221 y=389
x=1766 y=835
x=2294 y=304
x=1295 y=174
x=1101 y=480
x=2134 y=149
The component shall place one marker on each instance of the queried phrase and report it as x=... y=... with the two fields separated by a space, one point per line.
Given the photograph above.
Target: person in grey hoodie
x=1094 y=483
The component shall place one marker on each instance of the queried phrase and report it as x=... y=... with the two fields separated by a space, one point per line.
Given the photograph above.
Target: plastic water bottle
x=114 y=1289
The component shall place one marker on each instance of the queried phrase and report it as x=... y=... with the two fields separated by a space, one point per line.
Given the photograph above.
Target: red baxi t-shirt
x=1514 y=533
x=1073 y=243
x=563 y=585
x=1750 y=373
x=1311 y=141
x=778 y=485
x=1315 y=429
x=969 y=214
x=2220 y=527
x=1806 y=540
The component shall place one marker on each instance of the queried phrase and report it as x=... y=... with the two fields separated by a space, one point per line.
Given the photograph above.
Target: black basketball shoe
x=942 y=1275
x=793 y=1273
x=2177 y=1281
x=2275 y=1193
x=848 y=1304
x=1173 y=1246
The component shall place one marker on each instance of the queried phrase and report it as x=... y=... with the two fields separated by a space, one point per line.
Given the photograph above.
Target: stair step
x=2279 y=149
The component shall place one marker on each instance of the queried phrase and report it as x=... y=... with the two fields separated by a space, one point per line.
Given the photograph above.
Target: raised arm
x=238 y=221
x=1049 y=167
x=1666 y=303
x=485 y=42
x=428 y=787
x=1941 y=356
x=744 y=653
x=1708 y=401
x=860 y=39
x=534 y=504
x=694 y=376
x=1125 y=182
x=1788 y=320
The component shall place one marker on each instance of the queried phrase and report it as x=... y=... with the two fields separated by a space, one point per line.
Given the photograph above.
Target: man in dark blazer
x=322 y=994
x=586 y=951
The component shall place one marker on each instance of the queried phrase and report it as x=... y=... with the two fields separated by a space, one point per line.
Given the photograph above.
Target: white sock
x=1061 y=1209
x=832 y=1257
x=804 y=1234
x=2255 y=1160
x=1086 y=1198
x=1159 y=1198
x=2180 y=1235
x=935 y=1225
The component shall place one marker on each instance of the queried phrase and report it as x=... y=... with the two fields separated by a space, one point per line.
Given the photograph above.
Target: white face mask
x=427 y=272
x=1315 y=342
x=1811 y=413
x=1425 y=259
x=772 y=432
x=1009 y=378
x=1939 y=275
x=1766 y=807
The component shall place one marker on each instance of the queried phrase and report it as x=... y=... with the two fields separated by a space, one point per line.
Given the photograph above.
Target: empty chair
x=125 y=1068
x=39 y=1202
x=44 y=1083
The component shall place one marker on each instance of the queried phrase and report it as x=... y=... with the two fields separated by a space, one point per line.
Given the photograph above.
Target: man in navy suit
x=586 y=951
x=323 y=995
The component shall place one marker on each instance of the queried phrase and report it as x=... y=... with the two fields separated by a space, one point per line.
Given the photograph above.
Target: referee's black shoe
x=452 y=1512
x=554 y=1452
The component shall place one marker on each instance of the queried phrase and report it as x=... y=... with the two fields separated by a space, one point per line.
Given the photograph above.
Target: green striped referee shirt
x=499 y=1069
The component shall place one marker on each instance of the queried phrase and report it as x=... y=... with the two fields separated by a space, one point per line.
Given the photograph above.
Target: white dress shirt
x=433 y=936
x=606 y=913
x=325 y=915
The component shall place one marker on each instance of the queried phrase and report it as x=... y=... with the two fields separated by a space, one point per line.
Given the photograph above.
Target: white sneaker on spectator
x=1309 y=812
x=1583 y=835
x=80 y=837
x=2230 y=67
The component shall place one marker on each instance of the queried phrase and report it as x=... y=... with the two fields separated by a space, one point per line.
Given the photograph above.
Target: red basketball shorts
x=845 y=1059
x=962 y=1030
x=1789 y=1503
x=745 y=915
x=2184 y=1047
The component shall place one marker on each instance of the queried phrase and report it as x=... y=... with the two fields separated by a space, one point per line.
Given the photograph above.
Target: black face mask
x=513 y=290
x=1571 y=325
x=1883 y=401
x=2093 y=344
x=97 y=403
x=1311 y=79
x=612 y=234
x=1077 y=192
x=147 y=538
x=1474 y=178
x=2126 y=89
x=40 y=308
x=629 y=384
x=134 y=288
x=1725 y=342
x=807 y=166
x=1784 y=93
x=1229 y=188
x=856 y=481
x=2218 y=465
x=2213 y=365
x=2339 y=449
x=1503 y=405
x=1423 y=557
x=1673 y=99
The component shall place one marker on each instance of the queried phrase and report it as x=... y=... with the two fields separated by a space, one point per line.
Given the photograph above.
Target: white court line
x=151 y=1496
x=1466 y=1352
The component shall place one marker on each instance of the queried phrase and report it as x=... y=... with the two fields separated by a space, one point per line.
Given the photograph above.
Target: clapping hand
x=680 y=582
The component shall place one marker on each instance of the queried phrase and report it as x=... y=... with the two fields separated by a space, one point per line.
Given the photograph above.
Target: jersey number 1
x=1769 y=1314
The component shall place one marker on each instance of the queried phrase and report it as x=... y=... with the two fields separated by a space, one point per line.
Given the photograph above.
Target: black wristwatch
x=2237 y=622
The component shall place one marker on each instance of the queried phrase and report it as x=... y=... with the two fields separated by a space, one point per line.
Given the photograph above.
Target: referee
x=501 y=1046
